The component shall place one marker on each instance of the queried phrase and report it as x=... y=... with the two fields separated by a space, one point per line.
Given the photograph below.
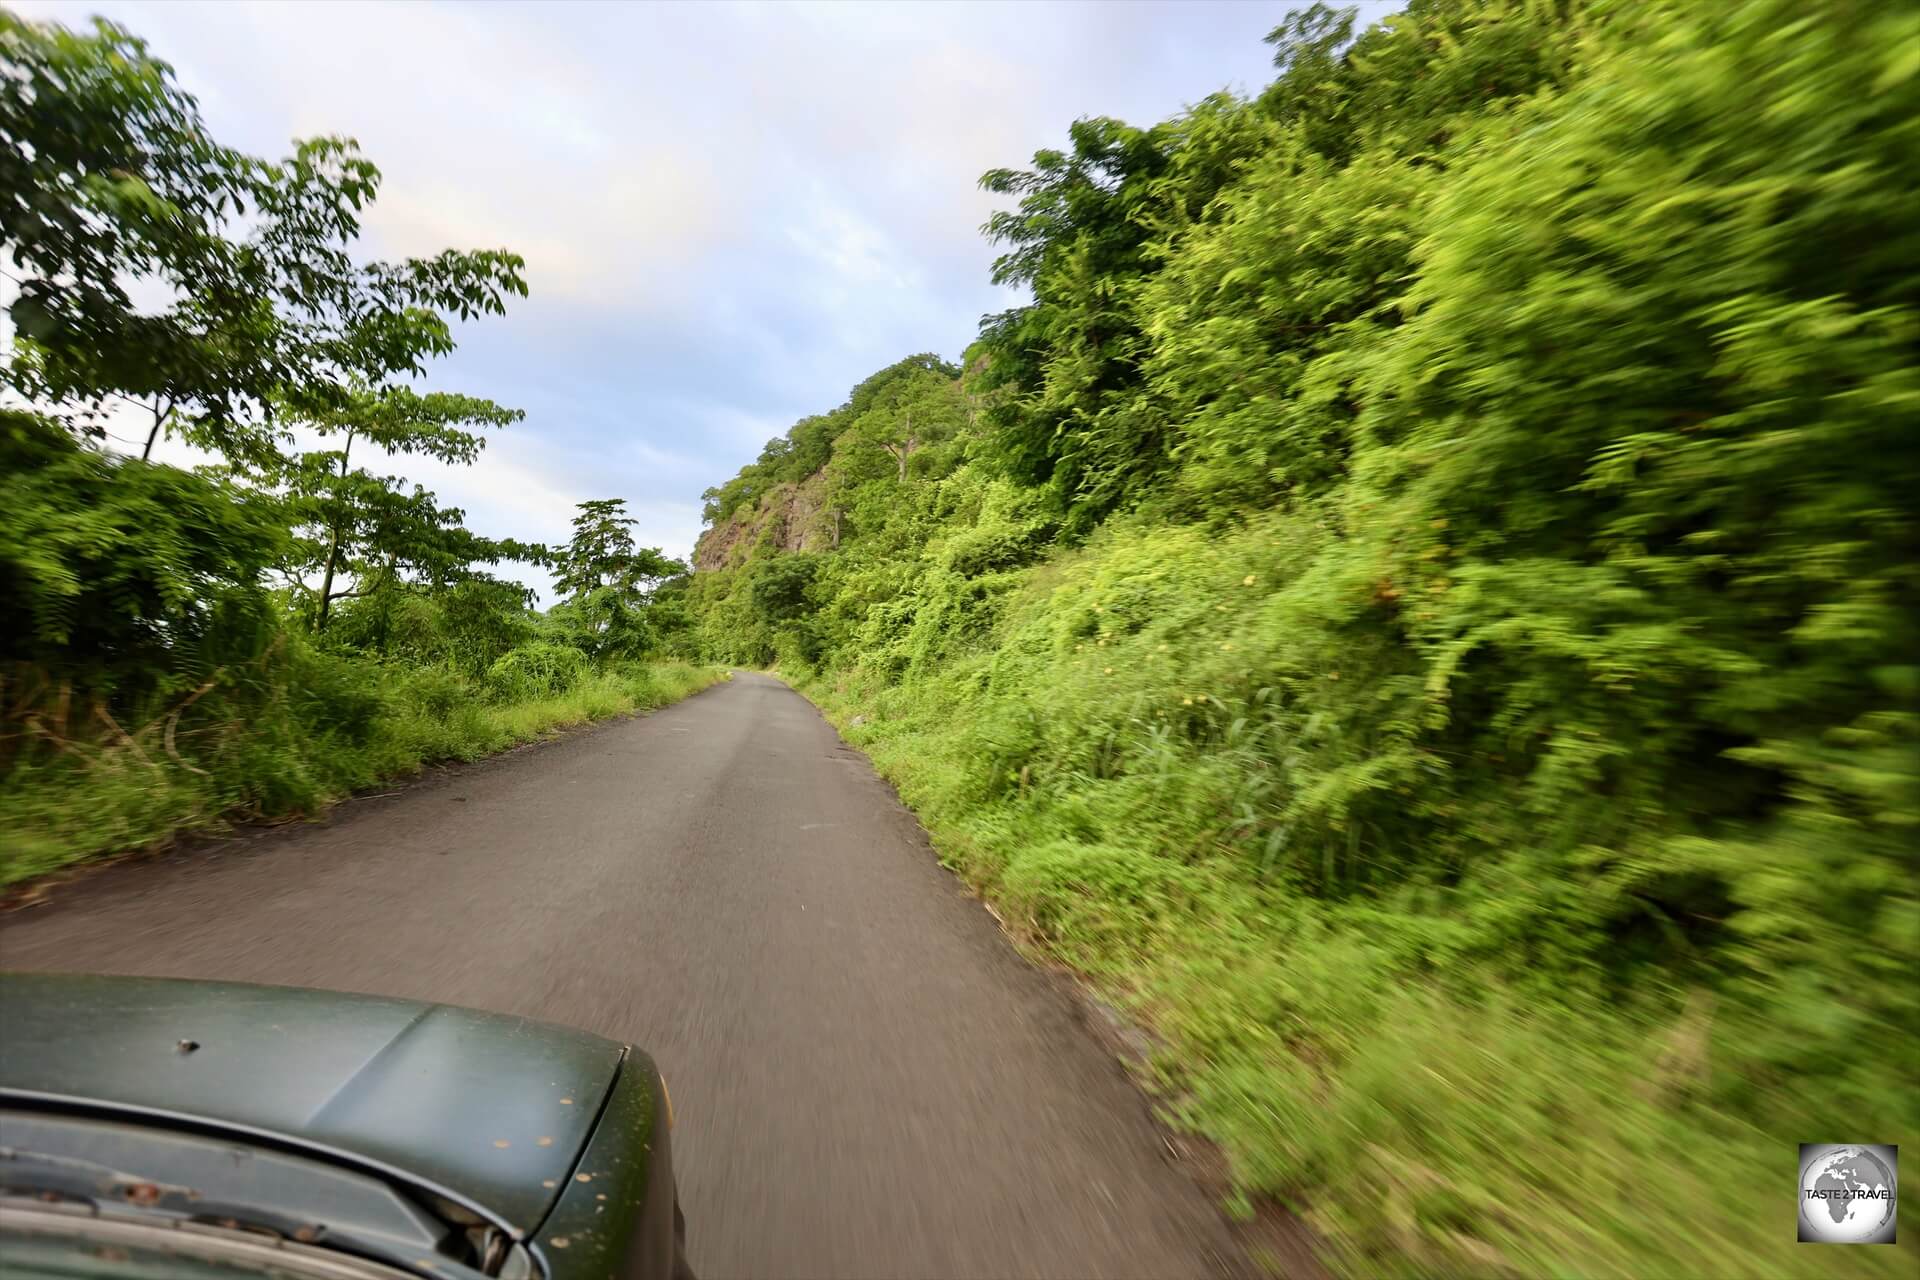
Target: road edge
x=56 y=889
x=1273 y=1240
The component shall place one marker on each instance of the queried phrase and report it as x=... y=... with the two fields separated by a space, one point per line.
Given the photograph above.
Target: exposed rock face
x=789 y=515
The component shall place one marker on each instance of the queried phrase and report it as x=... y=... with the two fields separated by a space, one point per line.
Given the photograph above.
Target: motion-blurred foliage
x=1423 y=606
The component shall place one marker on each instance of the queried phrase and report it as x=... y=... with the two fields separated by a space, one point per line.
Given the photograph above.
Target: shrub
x=1091 y=899
x=538 y=670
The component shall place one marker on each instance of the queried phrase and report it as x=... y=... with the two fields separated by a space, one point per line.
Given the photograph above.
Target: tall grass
x=329 y=726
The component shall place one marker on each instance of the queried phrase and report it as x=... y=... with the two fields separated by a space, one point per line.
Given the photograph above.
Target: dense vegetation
x=1423 y=608
x=258 y=635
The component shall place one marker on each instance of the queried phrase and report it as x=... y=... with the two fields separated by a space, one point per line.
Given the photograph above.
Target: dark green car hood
x=489 y=1110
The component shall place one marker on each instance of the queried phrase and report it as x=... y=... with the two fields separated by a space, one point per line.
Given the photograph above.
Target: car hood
x=485 y=1109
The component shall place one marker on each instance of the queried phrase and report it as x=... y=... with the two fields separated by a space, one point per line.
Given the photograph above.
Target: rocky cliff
x=788 y=517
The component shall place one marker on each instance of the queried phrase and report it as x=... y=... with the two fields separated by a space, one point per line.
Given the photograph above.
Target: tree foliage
x=111 y=187
x=608 y=583
x=357 y=530
x=124 y=578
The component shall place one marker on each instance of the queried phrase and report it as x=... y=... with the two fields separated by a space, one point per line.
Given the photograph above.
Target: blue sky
x=730 y=213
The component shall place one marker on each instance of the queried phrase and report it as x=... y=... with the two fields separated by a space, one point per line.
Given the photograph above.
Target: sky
x=730 y=213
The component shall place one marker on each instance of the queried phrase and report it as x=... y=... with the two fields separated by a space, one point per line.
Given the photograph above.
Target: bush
x=433 y=691
x=538 y=670
x=128 y=579
x=1090 y=900
x=796 y=647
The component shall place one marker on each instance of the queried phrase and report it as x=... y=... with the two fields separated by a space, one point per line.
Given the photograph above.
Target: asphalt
x=867 y=1079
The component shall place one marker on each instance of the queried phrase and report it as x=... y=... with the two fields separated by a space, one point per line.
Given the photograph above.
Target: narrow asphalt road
x=867 y=1080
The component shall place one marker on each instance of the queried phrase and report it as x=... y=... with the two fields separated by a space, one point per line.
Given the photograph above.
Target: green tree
x=1067 y=357
x=1060 y=378
x=360 y=532
x=608 y=582
x=780 y=586
x=917 y=412
x=365 y=528
x=355 y=527
x=110 y=186
x=121 y=578
x=602 y=554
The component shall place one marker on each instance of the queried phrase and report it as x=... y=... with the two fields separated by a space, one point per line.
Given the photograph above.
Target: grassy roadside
x=109 y=793
x=1430 y=1110
x=1423 y=1128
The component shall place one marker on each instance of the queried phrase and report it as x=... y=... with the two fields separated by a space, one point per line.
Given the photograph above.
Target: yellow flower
x=1109 y=670
x=1227 y=647
x=1102 y=642
x=1163 y=648
x=1247 y=581
x=1333 y=675
x=1186 y=702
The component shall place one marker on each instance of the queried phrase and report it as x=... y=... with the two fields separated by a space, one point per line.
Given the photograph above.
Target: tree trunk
x=326 y=582
x=904 y=450
x=333 y=547
x=159 y=419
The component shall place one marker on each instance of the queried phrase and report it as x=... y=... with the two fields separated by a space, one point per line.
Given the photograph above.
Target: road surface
x=867 y=1080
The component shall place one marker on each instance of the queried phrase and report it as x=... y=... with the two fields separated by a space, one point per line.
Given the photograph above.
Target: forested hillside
x=1422 y=608
x=260 y=634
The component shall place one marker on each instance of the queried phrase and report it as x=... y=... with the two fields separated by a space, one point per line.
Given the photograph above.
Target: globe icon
x=1846 y=1196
